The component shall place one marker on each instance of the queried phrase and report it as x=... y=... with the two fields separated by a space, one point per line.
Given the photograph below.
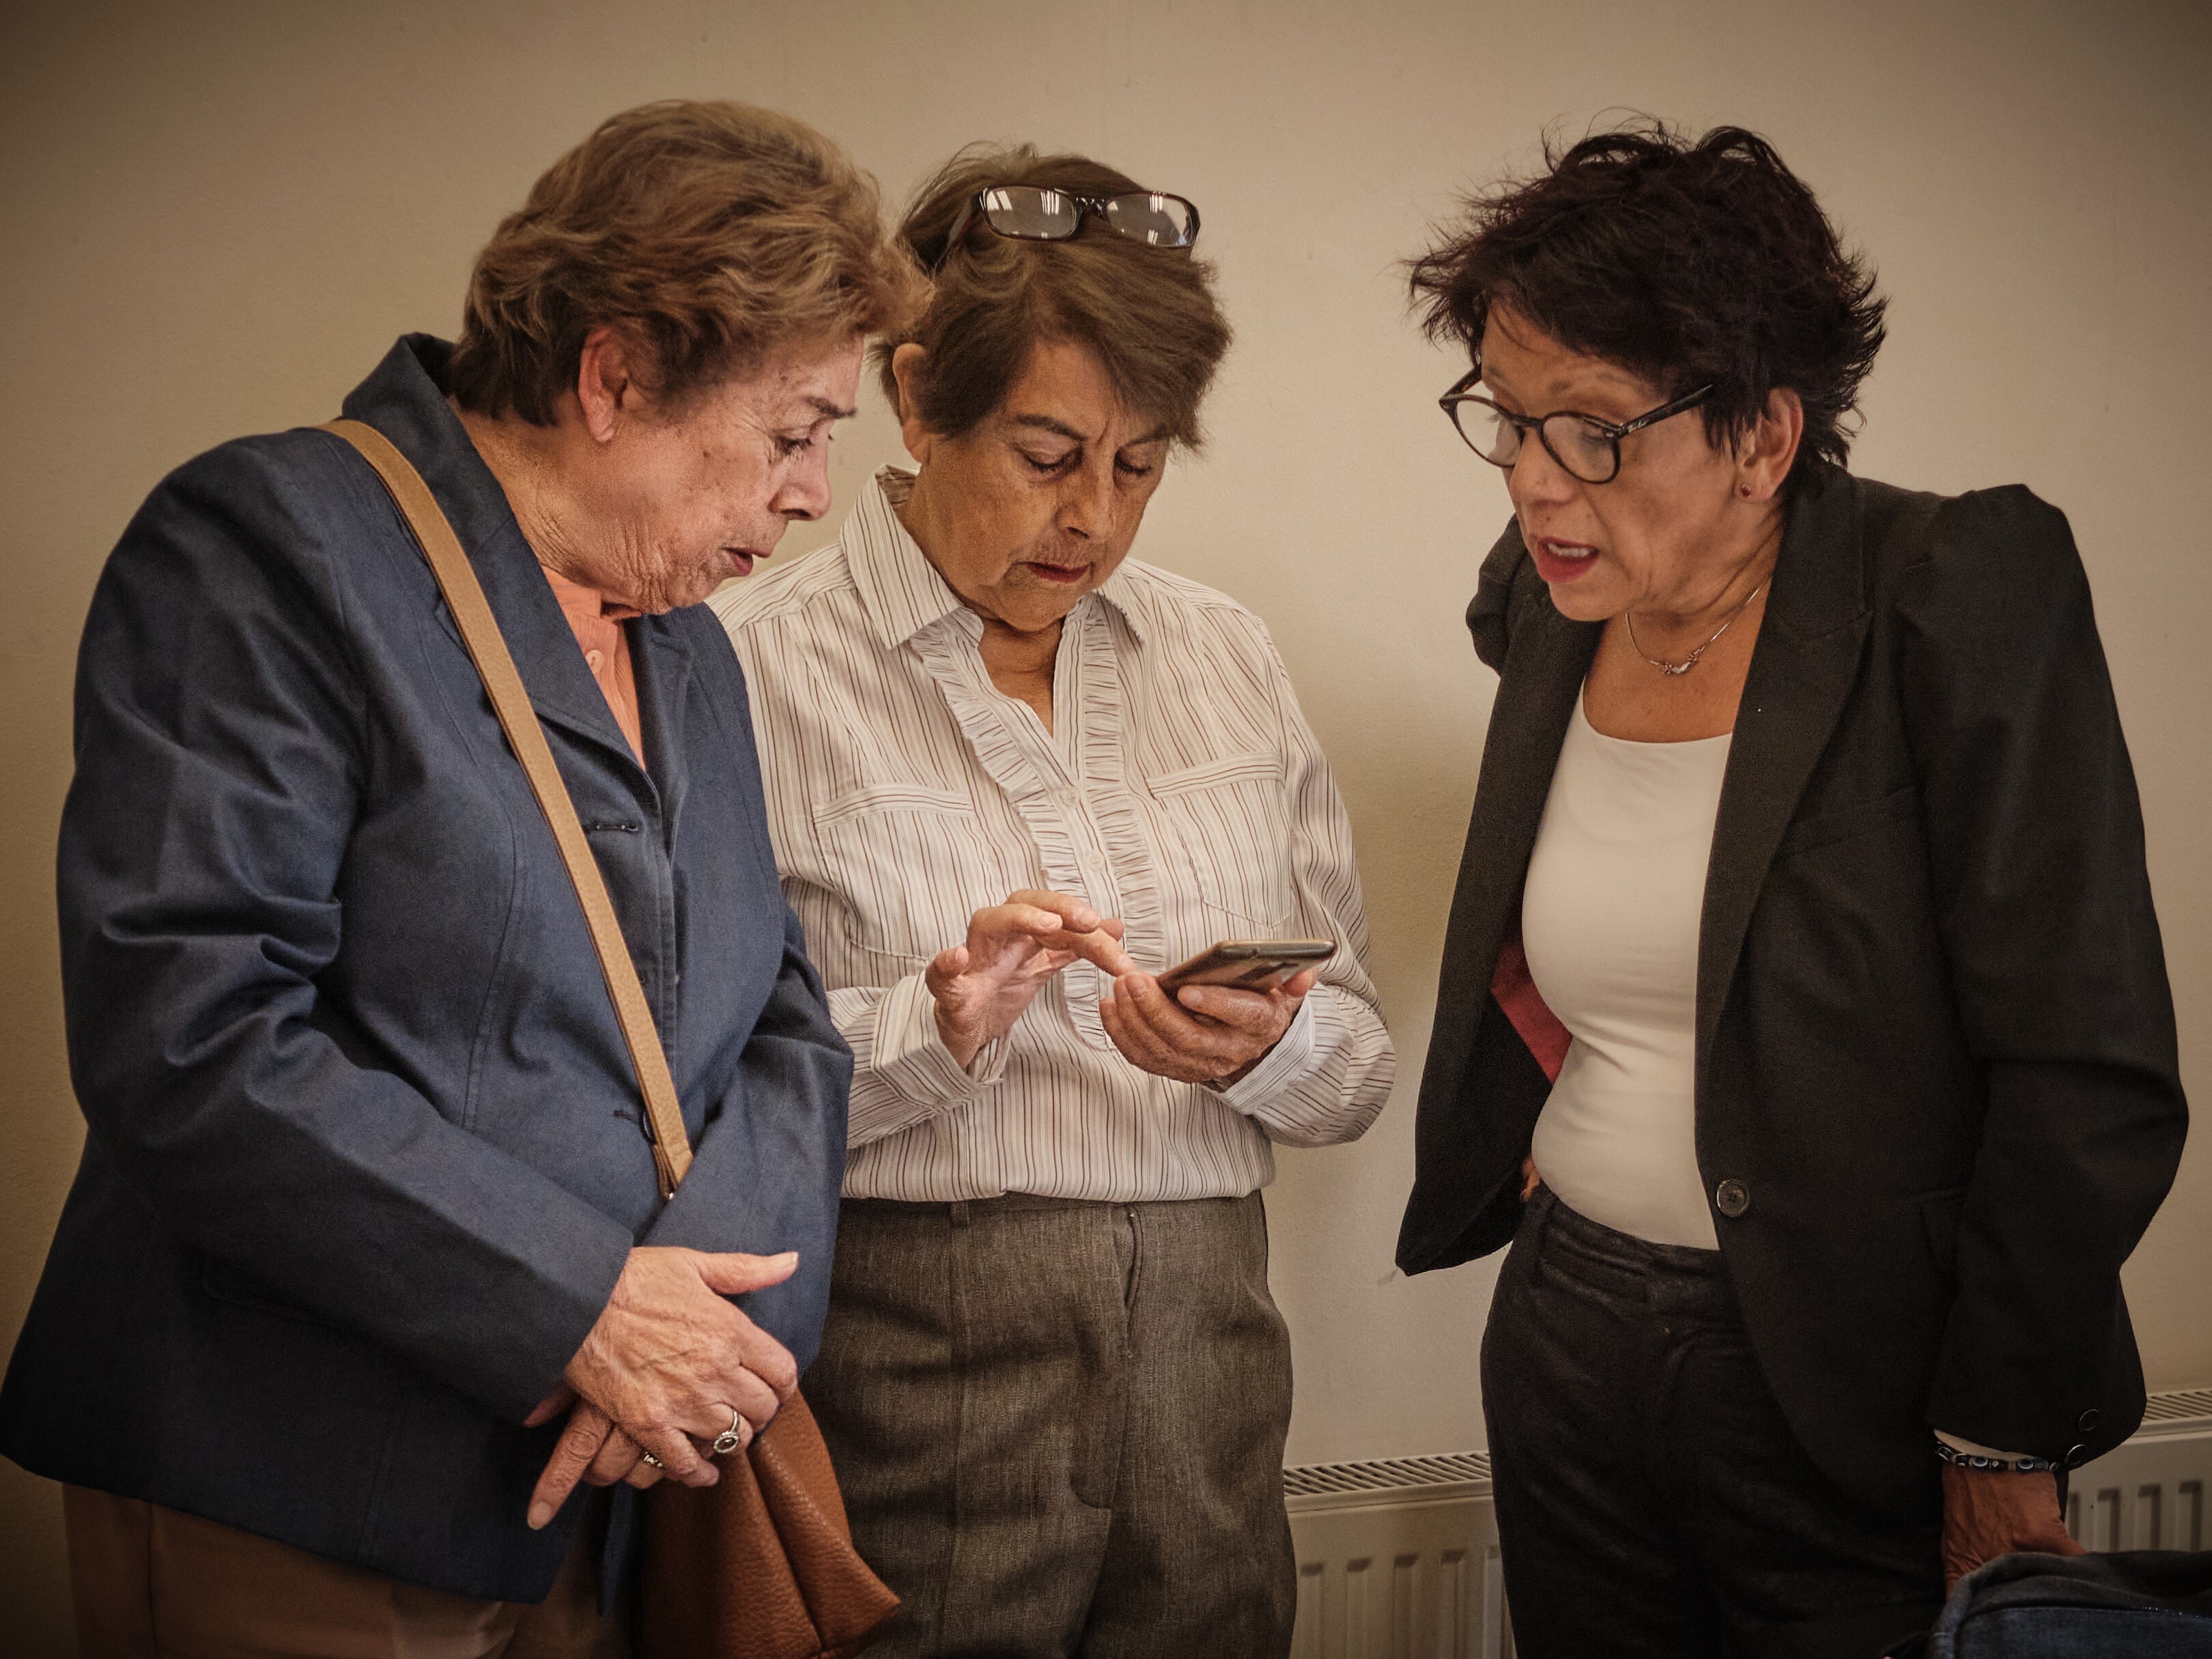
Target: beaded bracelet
x=1949 y=1454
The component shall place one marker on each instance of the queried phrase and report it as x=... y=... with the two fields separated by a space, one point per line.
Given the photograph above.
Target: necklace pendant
x=1690 y=661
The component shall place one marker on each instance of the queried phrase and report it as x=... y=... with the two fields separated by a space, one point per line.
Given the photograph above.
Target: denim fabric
x=2084 y=1634
x=365 y=1153
x=2146 y=1604
x=1651 y=1500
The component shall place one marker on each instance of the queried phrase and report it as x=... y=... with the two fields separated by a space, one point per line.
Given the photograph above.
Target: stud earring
x=1743 y=490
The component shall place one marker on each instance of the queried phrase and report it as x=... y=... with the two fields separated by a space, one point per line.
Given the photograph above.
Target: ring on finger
x=650 y=1461
x=731 y=1437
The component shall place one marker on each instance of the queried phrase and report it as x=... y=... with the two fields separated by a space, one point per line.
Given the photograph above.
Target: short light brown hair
x=1149 y=313
x=712 y=233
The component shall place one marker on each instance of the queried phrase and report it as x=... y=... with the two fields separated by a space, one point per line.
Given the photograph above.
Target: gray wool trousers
x=1059 y=1425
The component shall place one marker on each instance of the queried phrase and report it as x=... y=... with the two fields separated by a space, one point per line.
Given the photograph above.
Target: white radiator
x=2147 y=1493
x=1398 y=1558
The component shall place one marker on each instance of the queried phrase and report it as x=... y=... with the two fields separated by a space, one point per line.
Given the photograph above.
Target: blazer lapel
x=543 y=645
x=1802 y=671
x=1545 y=667
x=405 y=401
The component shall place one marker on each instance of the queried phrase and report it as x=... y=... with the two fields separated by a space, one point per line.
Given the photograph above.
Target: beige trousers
x=156 y=1583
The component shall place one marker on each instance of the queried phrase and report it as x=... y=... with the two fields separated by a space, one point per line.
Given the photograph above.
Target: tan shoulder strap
x=464 y=596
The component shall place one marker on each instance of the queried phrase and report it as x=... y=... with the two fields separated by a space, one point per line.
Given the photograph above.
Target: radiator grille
x=1389 y=1475
x=1398 y=1556
x=2179 y=1406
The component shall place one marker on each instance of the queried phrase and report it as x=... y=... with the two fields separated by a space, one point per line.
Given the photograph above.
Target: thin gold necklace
x=1691 y=661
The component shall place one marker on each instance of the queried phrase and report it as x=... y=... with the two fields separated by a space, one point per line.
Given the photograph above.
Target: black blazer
x=1935 y=1040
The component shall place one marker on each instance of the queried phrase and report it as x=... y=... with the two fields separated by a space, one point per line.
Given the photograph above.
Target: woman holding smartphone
x=1011 y=777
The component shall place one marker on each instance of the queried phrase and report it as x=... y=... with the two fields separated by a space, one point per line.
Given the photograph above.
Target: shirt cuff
x=1291 y=1058
x=1955 y=1441
x=910 y=1055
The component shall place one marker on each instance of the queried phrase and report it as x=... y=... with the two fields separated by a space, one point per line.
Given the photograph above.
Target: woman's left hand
x=1992 y=1512
x=1205 y=1033
x=618 y=1457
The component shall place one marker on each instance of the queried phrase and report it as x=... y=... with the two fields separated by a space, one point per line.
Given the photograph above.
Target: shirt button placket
x=1097 y=889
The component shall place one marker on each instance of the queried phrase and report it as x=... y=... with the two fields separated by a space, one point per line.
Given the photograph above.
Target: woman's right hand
x=981 y=987
x=668 y=1356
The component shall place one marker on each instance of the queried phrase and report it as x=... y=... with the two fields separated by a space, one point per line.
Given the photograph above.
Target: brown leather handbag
x=761 y=1564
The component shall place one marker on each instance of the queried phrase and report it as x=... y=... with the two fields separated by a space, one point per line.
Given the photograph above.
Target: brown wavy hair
x=1149 y=313
x=1684 y=261
x=712 y=233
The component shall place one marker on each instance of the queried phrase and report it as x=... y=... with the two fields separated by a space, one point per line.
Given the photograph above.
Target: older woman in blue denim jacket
x=366 y=1205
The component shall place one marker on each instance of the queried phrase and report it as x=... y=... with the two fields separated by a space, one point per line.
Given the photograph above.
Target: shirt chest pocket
x=1232 y=825
x=909 y=866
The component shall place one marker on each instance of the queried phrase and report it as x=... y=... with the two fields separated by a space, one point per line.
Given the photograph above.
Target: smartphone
x=1249 y=965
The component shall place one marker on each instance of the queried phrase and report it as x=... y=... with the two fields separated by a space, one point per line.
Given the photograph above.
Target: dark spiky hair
x=1684 y=263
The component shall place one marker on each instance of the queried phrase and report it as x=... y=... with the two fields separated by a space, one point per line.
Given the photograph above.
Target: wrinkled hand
x=1992 y=1512
x=981 y=987
x=618 y=1458
x=1205 y=1033
x=667 y=1360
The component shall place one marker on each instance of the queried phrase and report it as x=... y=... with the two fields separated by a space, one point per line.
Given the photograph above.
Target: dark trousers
x=1651 y=1500
x=1059 y=1425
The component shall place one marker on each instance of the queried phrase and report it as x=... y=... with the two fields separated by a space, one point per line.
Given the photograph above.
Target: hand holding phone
x=1149 y=1023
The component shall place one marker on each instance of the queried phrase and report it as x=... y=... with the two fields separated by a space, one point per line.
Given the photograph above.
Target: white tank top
x=1609 y=919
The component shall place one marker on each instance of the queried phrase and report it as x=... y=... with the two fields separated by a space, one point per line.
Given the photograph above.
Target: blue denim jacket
x=365 y=1152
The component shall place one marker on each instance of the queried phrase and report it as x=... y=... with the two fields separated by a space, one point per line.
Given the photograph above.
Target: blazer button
x=1731 y=1199
x=2088 y=1420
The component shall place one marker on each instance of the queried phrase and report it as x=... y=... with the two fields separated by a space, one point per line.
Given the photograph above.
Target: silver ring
x=731 y=1437
x=648 y=1458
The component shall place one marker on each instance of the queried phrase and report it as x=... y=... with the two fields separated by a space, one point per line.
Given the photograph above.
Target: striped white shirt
x=1178 y=788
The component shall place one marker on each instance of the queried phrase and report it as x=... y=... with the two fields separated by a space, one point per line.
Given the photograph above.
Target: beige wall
x=214 y=217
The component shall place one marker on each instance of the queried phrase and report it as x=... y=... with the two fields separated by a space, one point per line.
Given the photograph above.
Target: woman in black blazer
x=1901 y=1085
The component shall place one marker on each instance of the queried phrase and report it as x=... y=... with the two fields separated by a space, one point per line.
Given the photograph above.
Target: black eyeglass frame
x=1086 y=207
x=1612 y=431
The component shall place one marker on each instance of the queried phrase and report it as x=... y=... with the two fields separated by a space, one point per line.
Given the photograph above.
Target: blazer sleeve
x=2044 y=904
x=1484 y=1079
x=767 y=1171
x=222 y=748
x=1496 y=606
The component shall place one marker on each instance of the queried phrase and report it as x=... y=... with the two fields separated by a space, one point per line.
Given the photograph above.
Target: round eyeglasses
x=1585 y=447
x=1030 y=212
